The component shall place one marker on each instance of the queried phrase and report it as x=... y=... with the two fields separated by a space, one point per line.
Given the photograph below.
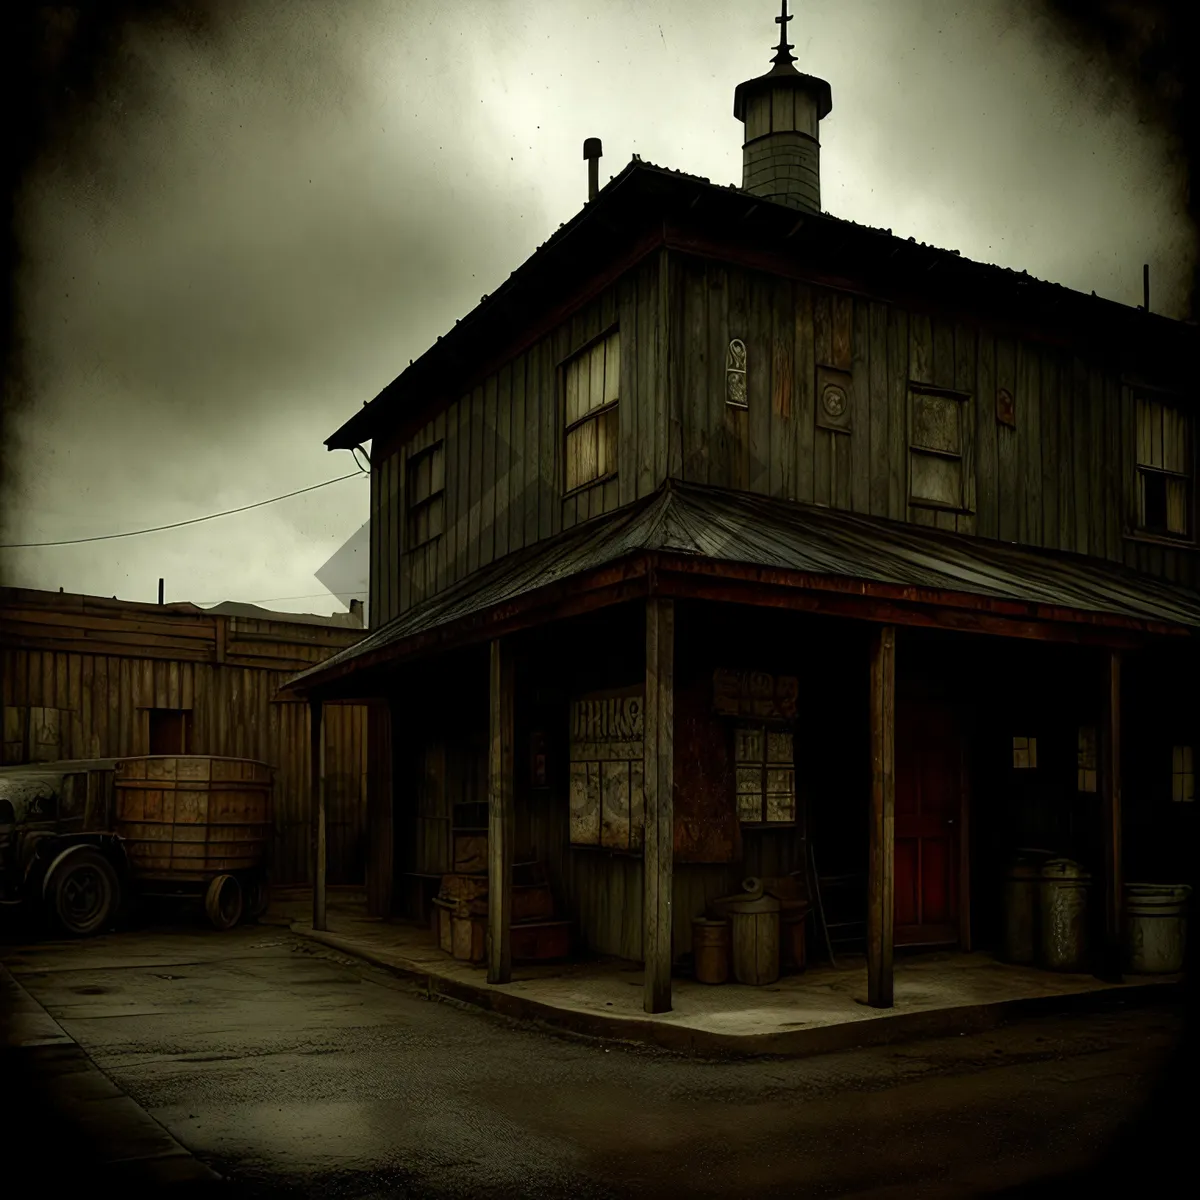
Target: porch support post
x=880 y=886
x=316 y=786
x=1110 y=807
x=659 y=781
x=500 y=814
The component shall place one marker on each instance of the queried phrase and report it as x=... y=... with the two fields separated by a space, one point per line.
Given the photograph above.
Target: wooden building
x=727 y=537
x=83 y=677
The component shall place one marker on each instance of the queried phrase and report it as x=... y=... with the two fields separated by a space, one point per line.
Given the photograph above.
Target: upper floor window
x=1165 y=469
x=938 y=433
x=426 y=480
x=1183 y=775
x=591 y=386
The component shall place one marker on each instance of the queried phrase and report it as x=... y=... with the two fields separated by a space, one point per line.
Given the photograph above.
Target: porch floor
x=819 y=1009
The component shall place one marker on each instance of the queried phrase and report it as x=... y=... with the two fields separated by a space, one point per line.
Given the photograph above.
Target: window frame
x=766 y=727
x=965 y=456
x=598 y=413
x=1172 y=401
x=1183 y=767
x=413 y=509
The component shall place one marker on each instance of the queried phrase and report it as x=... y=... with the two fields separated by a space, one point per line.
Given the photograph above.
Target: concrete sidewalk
x=818 y=1011
x=95 y=1129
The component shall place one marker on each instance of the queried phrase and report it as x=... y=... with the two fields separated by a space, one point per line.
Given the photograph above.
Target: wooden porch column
x=316 y=784
x=881 y=866
x=659 y=782
x=1110 y=808
x=500 y=815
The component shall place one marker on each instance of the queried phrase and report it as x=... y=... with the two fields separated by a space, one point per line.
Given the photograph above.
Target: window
x=170 y=731
x=1164 y=469
x=591 y=385
x=1025 y=753
x=1183 y=776
x=936 y=448
x=766 y=776
x=1087 y=760
x=426 y=494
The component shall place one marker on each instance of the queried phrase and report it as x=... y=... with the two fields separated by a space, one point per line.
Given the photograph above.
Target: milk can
x=710 y=950
x=1155 y=928
x=1022 y=884
x=1063 y=921
x=755 y=939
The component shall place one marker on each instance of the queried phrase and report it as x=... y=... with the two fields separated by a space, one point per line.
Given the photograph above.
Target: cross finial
x=783 y=55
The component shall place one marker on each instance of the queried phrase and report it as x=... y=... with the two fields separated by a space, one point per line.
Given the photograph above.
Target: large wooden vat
x=188 y=818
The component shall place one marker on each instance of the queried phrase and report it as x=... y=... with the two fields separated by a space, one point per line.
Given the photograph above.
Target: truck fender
x=58 y=860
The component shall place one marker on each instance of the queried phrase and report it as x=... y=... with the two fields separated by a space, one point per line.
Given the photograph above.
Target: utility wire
x=179 y=524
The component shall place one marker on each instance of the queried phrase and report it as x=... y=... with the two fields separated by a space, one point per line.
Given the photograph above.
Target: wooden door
x=929 y=818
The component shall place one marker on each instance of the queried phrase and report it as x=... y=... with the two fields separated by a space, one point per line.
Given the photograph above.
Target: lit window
x=766 y=776
x=1025 y=753
x=1164 y=469
x=1087 y=759
x=1183 y=777
x=591 y=382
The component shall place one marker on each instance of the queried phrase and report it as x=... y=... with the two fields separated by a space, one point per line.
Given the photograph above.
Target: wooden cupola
x=781 y=154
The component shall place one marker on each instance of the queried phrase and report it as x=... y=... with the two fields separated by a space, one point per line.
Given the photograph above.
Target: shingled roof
x=647 y=204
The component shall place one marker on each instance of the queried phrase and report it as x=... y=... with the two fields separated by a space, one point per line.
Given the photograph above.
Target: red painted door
x=928 y=814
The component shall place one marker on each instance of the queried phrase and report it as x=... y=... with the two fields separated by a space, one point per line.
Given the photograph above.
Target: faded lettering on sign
x=755 y=694
x=606 y=794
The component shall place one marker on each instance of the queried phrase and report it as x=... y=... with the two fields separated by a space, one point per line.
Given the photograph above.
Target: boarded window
x=1086 y=781
x=766 y=775
x=591 y=387
x=1183 y=775
x=426 y=494
x=170 y=731
x=1165 y=469
x=1025 y=753
x=937 y=448
x=607 y=796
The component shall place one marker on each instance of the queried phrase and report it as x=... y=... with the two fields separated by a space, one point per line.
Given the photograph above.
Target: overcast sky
x=258 y=227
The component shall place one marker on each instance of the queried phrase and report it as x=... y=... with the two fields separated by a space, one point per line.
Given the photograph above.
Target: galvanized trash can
x=755 y=939
x=1063 y=921
x=1155 y=928
x=1022 y=885
x=710 y=950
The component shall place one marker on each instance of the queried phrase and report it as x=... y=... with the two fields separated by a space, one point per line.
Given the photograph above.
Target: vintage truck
x=60 y=864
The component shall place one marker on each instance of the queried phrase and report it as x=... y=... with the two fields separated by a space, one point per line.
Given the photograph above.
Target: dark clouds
x=243 y=218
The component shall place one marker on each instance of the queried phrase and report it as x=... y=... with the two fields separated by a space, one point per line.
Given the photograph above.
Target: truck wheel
x=223 y=902
x=83 y=894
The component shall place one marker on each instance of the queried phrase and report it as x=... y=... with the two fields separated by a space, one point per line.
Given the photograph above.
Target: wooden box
x=541 y=940
x=470 y=852
x=469 y=935
x=533 y=903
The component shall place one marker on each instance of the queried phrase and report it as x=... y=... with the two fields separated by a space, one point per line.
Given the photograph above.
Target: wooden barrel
x=710 y=950
x=186 y=818
x=755 y=940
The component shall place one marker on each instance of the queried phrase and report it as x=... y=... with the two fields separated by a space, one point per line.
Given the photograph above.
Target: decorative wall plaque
x=1006 y=408
x=755 y=694
x=833 y=399
x=735 y=374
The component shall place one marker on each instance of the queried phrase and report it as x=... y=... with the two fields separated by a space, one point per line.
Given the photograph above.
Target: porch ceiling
x=686 y=533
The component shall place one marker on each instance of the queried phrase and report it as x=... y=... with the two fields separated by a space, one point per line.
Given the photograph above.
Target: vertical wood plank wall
x=1062 y=478
x=503 y=461
x=101 y=664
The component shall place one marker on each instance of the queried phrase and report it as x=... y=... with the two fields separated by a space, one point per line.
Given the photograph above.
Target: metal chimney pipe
x=1146 y=286
x=592 y=152
x=160 y=591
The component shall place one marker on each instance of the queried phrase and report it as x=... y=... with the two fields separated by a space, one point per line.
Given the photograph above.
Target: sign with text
x=755 y=694
x=607 y=802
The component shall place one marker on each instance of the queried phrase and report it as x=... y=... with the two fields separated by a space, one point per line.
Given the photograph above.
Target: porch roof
x=688 y=532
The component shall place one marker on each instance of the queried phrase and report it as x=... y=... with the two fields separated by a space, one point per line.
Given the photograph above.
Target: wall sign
x=755 y=694
x=833 y=399
x=607 y=798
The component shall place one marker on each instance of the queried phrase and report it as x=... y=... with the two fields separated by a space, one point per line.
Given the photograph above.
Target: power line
x=179 y=524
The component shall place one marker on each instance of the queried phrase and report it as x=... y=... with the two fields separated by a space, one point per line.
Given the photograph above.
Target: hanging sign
x=755 y=694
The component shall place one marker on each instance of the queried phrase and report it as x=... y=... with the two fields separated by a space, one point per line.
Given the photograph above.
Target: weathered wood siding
x=99 y=665
x=1062 y=477
x=504 y=459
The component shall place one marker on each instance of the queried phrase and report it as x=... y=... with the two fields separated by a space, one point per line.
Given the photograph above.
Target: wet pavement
x=295 y=1070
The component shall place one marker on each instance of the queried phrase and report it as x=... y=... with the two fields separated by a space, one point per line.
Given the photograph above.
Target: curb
x=124 y=1143
x=798 y=1043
